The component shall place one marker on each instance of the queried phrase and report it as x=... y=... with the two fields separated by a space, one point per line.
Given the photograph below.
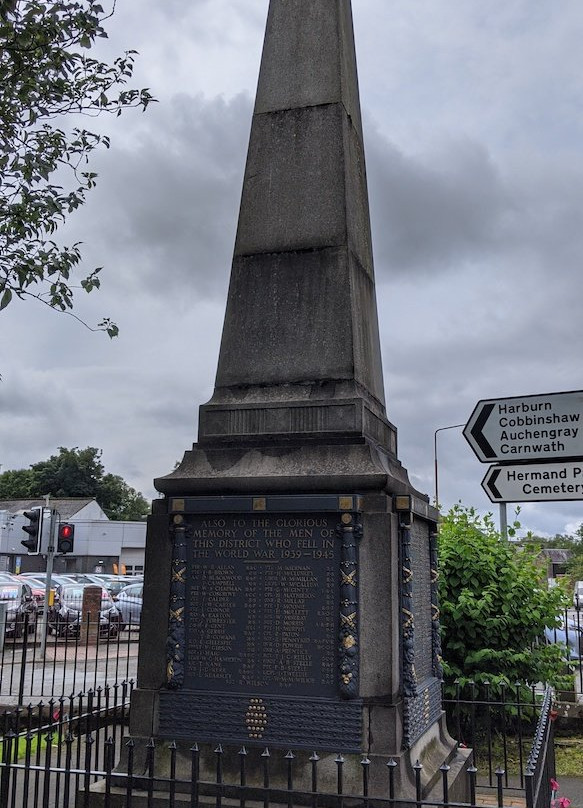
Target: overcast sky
x=473 y=123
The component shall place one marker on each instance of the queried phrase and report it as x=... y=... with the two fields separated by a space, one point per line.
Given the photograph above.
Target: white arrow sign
x=528 y=428
x=534 y=482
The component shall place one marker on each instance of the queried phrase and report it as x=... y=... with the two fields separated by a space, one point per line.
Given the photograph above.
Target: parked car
x=38 y=590
x=113 y=583
x=56 y=577
x=65 y=616
x=578 y=595
x=19 y=602
x=571 y=638
x=129 y=603
x=81 y=577
x=38 y=585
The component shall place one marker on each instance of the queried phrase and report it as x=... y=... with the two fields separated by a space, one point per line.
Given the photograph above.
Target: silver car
x=129 y=603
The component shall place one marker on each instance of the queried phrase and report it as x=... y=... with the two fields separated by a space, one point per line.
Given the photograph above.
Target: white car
x=578 y=595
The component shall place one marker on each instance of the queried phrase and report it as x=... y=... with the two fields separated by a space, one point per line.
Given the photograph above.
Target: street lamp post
x=440 y=429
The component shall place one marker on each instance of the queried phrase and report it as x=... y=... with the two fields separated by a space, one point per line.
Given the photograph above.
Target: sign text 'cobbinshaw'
x=531 y=428
x=262 y=594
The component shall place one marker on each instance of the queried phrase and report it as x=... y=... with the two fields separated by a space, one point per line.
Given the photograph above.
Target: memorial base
x=286 y=778
x=290 y=627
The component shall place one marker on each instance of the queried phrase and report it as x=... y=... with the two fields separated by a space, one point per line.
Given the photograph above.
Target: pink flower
x=554 y=785
x=564 y=802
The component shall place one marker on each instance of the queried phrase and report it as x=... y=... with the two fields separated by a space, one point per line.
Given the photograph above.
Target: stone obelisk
x=295 y=556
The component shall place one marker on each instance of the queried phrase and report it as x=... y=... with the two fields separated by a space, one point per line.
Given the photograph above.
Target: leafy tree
x=48 y=78
x=495 y=605
x=120 y=501
x=16 y=484
x=76 y=473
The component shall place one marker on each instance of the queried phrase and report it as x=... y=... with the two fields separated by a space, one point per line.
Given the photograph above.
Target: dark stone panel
x=422 y=711
x=422 y=600
x=262 y=603
x=273 y=503
x=302 y=723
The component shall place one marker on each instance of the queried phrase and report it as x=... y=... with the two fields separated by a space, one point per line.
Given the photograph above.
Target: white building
x=100 y=544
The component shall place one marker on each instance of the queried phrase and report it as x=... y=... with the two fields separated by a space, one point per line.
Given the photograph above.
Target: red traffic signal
x=65 y=538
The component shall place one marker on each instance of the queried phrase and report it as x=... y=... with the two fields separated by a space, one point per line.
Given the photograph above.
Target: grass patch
x=22 y=745
x=569 y=756
x=510 y=764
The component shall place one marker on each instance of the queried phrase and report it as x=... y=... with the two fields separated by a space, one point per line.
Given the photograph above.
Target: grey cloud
x=438 y=209
x=172 y=198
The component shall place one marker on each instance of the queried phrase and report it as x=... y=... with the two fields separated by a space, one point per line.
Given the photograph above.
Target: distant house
x=555 y=561
x=101 y=545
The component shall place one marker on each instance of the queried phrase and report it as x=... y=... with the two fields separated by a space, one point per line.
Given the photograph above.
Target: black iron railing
x=498 y=724
x=55 y=752
x=540 y=769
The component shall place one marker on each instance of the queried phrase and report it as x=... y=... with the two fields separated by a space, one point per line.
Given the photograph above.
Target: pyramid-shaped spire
x=301 y=326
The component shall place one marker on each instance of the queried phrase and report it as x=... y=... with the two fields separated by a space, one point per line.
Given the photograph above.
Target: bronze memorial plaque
x=262 y=599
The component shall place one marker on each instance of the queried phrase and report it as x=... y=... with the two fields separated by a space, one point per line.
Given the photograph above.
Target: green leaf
x=6 y=298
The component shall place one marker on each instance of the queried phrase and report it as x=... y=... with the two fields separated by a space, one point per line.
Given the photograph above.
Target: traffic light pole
x=54 y=524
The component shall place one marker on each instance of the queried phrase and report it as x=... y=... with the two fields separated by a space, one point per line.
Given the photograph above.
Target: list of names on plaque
x=262 y=603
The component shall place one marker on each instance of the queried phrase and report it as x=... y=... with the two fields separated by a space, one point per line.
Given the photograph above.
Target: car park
x=129 y=603
x=65 y=616
x=21 y=607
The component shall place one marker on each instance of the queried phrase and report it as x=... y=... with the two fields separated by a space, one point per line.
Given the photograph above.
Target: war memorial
x=297 y=561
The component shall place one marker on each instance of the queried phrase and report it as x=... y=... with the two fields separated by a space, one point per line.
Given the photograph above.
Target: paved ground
x=67 y=668
x=572 y=788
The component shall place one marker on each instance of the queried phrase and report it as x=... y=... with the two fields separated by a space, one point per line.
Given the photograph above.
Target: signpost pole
x=48 y=582
x=503 y=520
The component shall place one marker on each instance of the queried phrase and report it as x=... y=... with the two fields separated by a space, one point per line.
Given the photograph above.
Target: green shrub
x=495 y=606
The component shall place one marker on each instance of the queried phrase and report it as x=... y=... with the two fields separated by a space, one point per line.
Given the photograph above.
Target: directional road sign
x=534 y=482
x=528 y=428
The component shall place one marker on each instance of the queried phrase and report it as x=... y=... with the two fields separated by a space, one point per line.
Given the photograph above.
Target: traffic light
x=34 y=530
x=65 y=538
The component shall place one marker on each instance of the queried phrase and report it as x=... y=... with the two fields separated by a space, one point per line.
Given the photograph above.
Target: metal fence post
x=3 y=607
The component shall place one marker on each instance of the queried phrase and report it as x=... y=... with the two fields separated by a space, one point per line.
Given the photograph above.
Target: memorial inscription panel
x=262 y=603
